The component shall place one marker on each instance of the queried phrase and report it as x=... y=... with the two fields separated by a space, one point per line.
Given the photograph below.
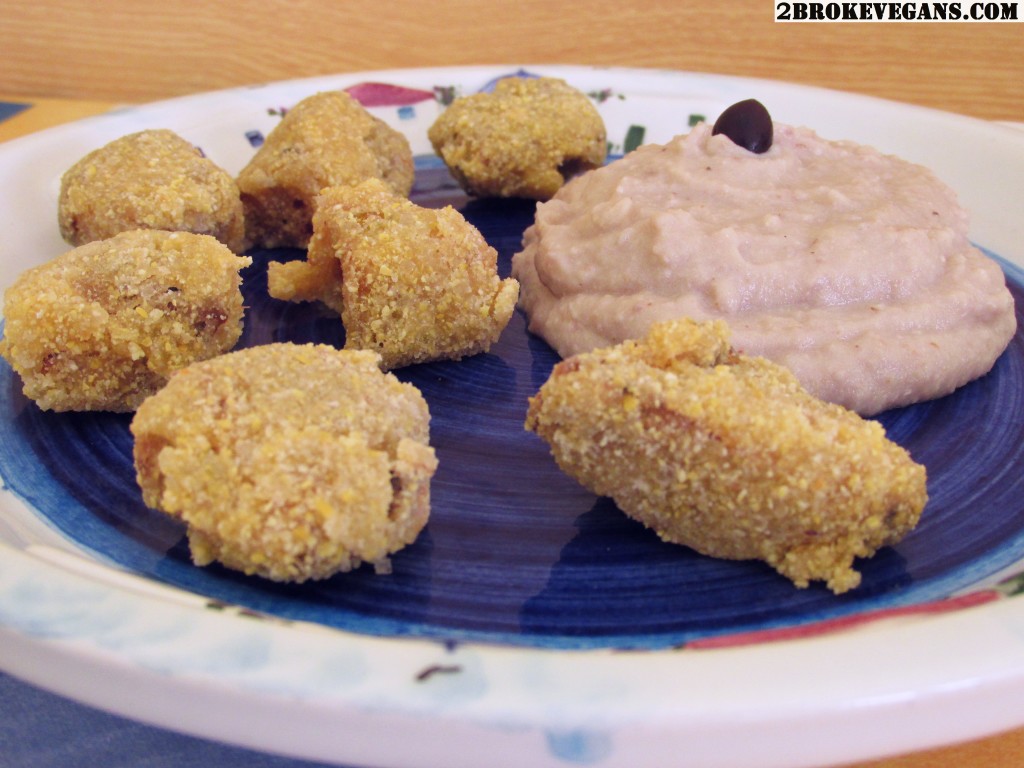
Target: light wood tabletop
x=70 y=59
x=127 y=51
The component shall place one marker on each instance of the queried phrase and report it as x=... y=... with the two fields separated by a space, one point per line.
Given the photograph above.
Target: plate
x=531 y=624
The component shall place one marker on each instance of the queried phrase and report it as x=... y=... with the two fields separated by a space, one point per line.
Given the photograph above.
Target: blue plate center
x=516 y=552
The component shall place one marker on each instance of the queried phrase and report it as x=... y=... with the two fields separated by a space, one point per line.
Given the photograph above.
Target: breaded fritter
x=728 y=454
x=525 y=139
x=411 y=283
x=291 y=462
x=325 y=140
x=101 y=327
x=153 y=179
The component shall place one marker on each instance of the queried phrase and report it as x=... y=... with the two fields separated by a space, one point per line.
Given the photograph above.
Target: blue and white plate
x=531 y=624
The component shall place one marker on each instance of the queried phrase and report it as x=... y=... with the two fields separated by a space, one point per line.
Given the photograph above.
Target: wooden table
x=72 y=59
x=122 y=50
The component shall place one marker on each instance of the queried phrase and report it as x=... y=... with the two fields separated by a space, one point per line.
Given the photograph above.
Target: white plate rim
x=942 y=678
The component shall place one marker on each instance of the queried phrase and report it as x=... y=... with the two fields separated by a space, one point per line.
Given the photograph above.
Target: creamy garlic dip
x=850 y=267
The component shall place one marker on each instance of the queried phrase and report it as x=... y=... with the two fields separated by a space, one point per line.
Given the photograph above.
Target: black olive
x=748 y=124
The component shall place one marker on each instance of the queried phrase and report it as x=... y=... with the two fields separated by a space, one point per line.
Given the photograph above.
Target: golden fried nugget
x=325 y=140
x=526 y=139
x=728 y=454
x=152 y=179
x=101 y=327
x=291 y=462
x=414 y=284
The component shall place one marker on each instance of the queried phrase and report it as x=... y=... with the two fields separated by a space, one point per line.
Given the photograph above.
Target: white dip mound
x=849 y=267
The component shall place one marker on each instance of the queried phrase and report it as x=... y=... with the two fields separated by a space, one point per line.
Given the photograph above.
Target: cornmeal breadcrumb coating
x=152 y=179
x=101 y=327
x=325 y=140
x=526 y=139
x=413 y=284
x=287 y=461
x=728 y=455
